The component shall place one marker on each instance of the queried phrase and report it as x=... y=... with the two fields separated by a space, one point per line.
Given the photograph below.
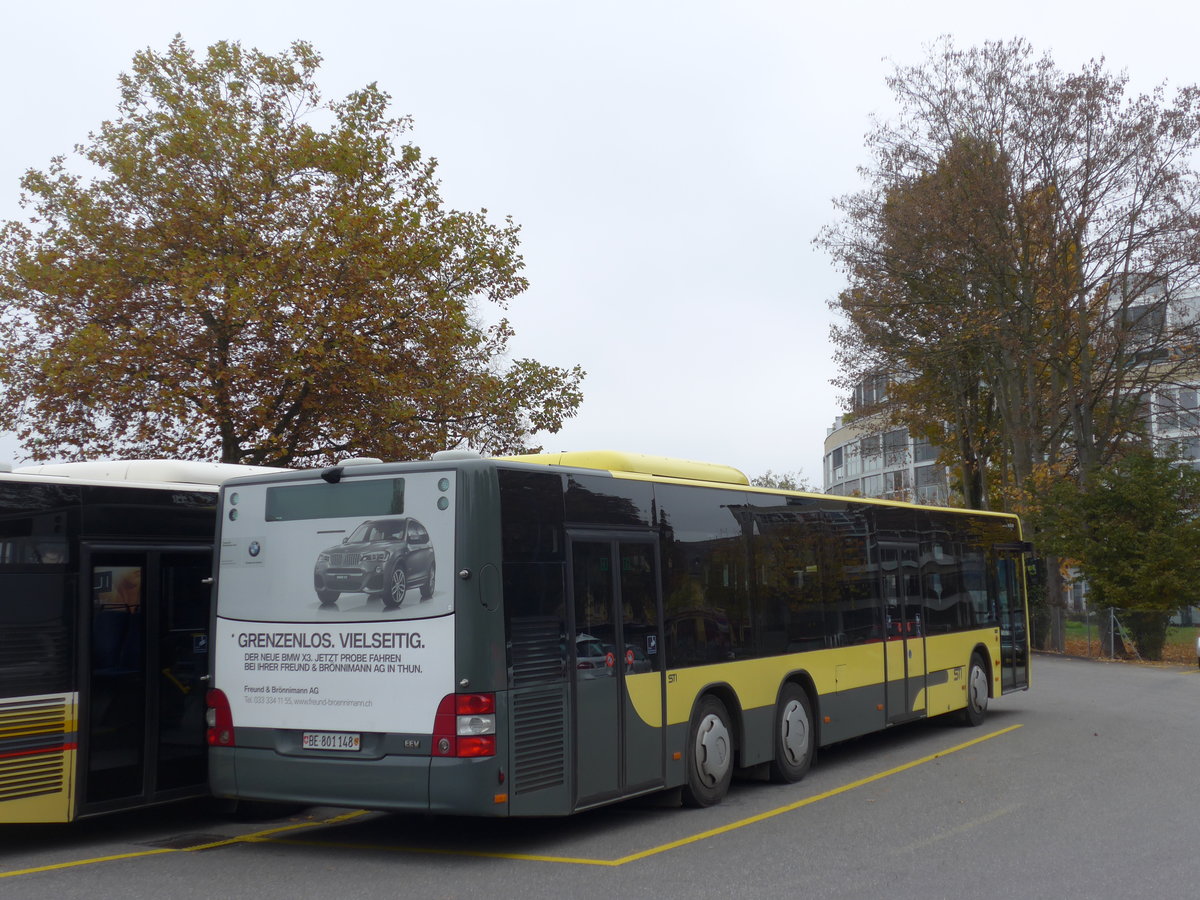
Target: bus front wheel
x=977 y=692
x=793 y=735
x=709 y=755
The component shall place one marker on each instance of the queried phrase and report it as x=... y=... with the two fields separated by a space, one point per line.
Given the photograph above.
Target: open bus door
x=144 y=617
x=1014 y=633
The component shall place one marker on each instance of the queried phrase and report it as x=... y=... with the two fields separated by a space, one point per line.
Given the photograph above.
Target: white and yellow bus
x=105 y=572
x=539 y=635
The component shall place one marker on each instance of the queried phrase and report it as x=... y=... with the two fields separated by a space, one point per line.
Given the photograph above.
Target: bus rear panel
x=336 y=679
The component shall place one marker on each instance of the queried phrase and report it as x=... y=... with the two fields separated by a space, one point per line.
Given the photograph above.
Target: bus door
x=619 y=692
x=145 y=653
x=1014 y=636
x=900 y=565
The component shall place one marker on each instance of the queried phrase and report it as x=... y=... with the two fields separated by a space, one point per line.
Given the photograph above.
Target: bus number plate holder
x=330 y=740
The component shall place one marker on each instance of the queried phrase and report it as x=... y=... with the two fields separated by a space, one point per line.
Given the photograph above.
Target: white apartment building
x=863 y=461
x=865 y=457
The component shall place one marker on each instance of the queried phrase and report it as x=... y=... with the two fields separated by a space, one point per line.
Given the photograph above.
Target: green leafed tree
x=1133 y=528
x=235 y=268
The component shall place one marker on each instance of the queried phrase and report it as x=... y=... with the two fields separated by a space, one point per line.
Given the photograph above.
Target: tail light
x=465 y=726
x=219 y=718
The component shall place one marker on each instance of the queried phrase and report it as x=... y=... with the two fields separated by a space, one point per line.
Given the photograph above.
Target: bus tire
x=396 y=587
x=794 y=737
x=977 y=692
x=709 y=755
x=328 y=598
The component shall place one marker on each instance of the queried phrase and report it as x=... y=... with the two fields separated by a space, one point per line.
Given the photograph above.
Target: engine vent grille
x=540 y=740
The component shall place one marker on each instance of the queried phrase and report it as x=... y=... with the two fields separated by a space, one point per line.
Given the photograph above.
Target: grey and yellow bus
x=104 y=614
x=535 y=636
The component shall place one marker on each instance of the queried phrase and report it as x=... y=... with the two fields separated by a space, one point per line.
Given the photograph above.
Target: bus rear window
x=352 y=498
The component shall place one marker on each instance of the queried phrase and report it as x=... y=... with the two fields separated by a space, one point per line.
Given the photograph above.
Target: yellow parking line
x=87 y=862
x=271 y=835
x=807 y=801
x=158 y=851
x=662 y=848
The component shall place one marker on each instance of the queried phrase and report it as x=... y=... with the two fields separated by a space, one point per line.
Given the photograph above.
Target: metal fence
x=1133 y=634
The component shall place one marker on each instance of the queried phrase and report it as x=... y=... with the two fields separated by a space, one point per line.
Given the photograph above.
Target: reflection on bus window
x=52 y=554
x=117 y=620
x=32 y=551
x=595 y=652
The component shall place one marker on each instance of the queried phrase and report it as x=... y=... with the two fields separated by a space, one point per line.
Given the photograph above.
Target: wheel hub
x=712 y=750
x=795 y=732
x=977 y=690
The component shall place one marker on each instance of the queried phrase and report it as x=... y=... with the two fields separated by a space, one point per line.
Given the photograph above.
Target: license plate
x=329 y=740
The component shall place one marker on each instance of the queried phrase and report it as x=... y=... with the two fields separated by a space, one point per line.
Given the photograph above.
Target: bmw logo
x=255 y=548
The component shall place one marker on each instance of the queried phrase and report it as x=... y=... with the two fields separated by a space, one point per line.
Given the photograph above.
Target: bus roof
x=146 y=471
x=638 y=463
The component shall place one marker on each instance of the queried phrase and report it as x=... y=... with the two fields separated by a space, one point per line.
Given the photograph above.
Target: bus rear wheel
x=977 y=692
x=793 y=735
x=709 y=755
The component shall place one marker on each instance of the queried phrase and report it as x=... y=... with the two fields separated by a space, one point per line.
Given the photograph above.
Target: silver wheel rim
x=399 y=586
x=712 y=750
x=794 y=727
x=977 y=689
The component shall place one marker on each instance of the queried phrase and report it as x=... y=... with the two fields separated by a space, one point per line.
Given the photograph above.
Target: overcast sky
x=669 y=164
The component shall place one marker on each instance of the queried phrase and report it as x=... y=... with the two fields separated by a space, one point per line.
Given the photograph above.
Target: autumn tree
x=922 y=308
x=1023 y=262
x=1025 y=244
x=235 y=268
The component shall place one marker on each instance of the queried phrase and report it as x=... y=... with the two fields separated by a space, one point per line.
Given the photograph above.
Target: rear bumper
x=392 y=783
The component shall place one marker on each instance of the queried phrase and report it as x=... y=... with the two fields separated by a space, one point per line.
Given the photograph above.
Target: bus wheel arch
x=710 y=754
x=794 y=742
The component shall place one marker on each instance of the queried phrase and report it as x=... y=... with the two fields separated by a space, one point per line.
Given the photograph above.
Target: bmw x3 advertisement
x=359 y=549
x=329 y=597
x=382 y=558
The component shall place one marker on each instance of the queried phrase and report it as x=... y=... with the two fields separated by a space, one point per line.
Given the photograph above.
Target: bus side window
x=974 y=575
